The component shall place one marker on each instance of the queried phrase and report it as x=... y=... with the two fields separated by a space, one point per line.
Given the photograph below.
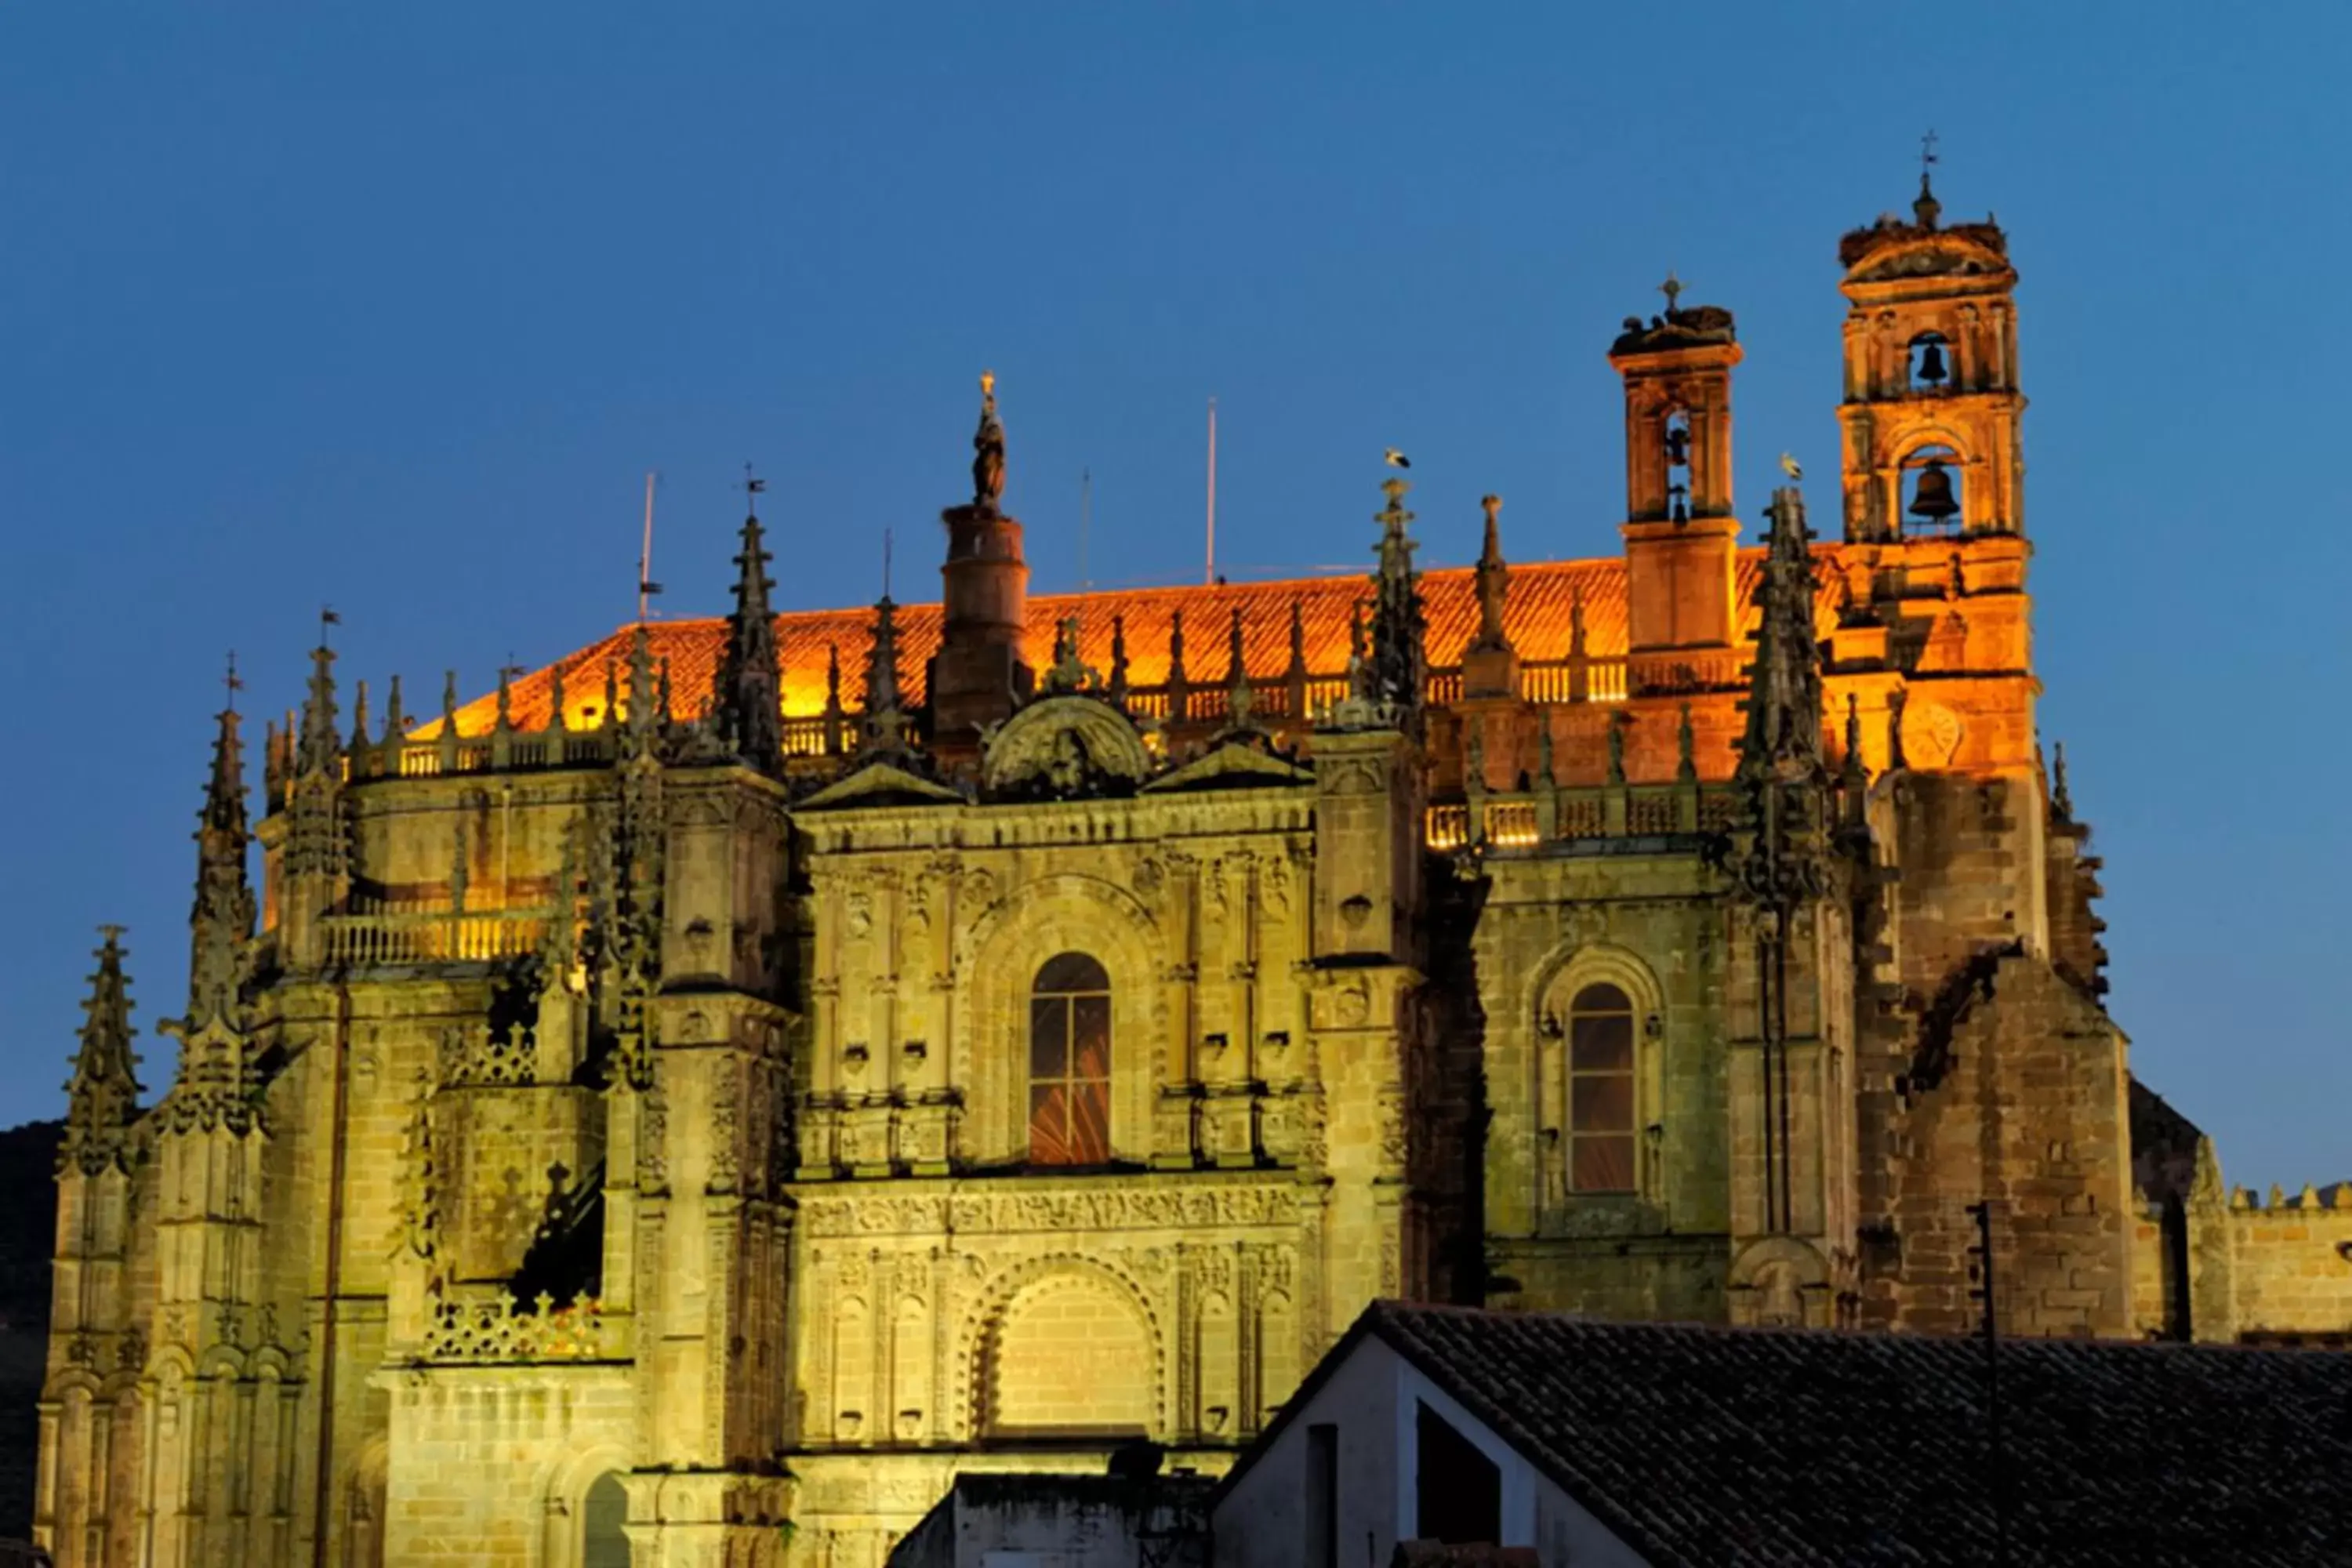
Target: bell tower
x=1680 y=532
x=1931 y=410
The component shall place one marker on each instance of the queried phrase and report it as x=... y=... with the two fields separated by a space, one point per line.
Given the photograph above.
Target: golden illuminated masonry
x=684 y=1107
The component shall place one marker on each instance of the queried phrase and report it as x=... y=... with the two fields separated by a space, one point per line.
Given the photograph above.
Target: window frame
x=1585 y=1003
x=1074 y=1146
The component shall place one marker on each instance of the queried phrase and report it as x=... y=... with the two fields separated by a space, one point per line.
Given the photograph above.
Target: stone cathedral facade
x=683 y=1108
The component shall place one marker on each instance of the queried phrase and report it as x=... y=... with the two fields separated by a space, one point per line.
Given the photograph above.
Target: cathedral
x=686 y=1106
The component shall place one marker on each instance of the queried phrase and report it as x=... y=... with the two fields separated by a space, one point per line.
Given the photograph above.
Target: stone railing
x=1527 y=821
x=499 y=1328
x=1288 y=701
x=379 y=939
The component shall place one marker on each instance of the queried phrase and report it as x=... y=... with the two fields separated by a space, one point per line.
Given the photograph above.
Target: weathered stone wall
x=1651 y=925
x=2292 y=1265
x=2017 y=1096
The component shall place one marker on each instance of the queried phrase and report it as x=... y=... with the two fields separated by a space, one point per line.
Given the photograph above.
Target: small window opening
x=1678 y=463
x=1458 y=1491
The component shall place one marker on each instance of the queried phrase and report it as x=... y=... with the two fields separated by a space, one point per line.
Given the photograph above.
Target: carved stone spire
x=1490 y=668
x=1492 y=577
x=1118 y=658
x=1241 y=696
x=1853 y=775
x=221 y=922
x=833 y=698
x=645 y=714
x=886 y=720
x=749 y=704
x=1177 y=678
x=2061 y=800
x=1394 y=678
x=318 y=750
x=1781 y=777
x=102 y=1098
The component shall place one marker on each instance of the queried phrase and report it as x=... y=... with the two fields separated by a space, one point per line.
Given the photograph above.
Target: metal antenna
x=1210 y=576
x=646 y=587
x=1086 y=519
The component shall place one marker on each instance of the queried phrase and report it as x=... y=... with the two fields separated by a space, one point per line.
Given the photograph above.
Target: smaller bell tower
x=1680 y=530
x=1931 y=410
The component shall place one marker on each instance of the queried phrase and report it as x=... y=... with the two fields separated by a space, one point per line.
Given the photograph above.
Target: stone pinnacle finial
x=1118 y=658
x=221 y=922
x=643 y=716
x=1781 y=776
x=2061 y=802
x=1392 y=681
x=319 y=749
x=884 y=724
x=748 y=699
x=1492 y=578
x=102 y=1097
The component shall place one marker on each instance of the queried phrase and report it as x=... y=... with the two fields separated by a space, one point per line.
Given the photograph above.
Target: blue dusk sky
x=392 y=308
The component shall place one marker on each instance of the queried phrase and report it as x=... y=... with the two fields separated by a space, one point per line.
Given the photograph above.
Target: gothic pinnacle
x=1784 y=703
x=103 y=1097
x=884 y=719
x=221 y=922
x=1781 y=777
x=749 y=702
x=643 y=718
x=224 y=789
x=1493 y=578
x=318 y=750
x=1394 y=678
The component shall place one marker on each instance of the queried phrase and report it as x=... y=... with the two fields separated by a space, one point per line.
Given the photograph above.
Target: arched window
x=1069 y=1063
x=602 y=1542
x=1601 y=1096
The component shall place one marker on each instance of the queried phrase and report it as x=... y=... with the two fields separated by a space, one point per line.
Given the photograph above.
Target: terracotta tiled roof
x=1537 y=617
x=1738 y=1449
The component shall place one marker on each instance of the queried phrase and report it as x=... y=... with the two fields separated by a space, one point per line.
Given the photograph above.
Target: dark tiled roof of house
x=1731 y=1447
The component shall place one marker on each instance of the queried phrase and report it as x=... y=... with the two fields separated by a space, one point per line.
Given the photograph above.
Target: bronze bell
x=1931 y=366
x=1933 y=502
